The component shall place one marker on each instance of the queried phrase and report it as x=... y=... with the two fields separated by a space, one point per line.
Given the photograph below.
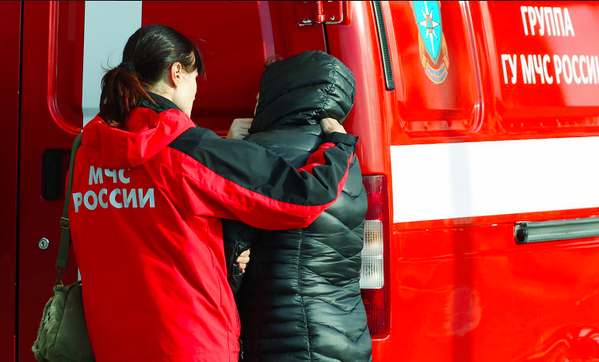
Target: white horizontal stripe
x=453 y=180
x=108 y=26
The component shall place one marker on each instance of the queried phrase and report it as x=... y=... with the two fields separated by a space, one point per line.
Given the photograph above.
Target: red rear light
x=375 y=257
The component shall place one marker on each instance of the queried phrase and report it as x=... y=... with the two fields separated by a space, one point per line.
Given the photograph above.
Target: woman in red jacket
x=150 y=189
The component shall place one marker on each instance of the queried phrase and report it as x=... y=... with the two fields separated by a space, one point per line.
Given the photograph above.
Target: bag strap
x=65 y=235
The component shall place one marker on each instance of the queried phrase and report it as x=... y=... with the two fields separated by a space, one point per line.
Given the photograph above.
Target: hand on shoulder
x=330 y=125
x=239 y=128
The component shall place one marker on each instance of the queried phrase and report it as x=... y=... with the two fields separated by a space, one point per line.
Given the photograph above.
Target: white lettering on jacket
x=117 y=198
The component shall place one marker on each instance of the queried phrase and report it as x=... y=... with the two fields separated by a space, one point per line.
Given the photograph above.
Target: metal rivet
x=43 y=243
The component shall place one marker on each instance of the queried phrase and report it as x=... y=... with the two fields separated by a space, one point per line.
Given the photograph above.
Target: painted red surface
x=10 y=32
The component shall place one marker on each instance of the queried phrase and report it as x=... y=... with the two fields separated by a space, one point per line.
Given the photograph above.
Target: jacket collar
x=160 y=103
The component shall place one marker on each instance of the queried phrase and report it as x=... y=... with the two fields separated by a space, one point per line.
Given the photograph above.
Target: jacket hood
x=148 y=129
x=303 y=89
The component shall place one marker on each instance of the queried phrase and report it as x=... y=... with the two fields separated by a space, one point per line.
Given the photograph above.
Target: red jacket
x=145 y=218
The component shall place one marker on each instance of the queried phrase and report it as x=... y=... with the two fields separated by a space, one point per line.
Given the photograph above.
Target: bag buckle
x=64 y=223
x=59 y=278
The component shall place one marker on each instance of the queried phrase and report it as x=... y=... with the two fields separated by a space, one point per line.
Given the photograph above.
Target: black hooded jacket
x=300 y=296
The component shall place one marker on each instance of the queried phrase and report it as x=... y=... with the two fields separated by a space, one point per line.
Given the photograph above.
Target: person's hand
x=330 y=125
x=243 y=260
x=239 y=128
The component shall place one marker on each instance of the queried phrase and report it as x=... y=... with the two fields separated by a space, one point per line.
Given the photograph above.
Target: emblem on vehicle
x=431 y=41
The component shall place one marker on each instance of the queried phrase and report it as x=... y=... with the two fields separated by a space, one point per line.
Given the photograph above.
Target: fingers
x=244 y=123
x=330 y=125
x=239 y=128
x=243 y=260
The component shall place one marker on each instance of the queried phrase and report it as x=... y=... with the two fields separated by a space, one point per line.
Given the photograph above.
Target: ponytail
x=121 y=92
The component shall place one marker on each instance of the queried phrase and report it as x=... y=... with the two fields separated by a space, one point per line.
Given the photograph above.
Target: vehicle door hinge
x=321 y=12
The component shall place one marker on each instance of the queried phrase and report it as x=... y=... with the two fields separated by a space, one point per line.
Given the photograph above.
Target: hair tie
x=128 y=66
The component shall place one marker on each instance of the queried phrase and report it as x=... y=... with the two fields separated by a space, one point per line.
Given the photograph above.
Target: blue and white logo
x=431 y=41
x=428 y=17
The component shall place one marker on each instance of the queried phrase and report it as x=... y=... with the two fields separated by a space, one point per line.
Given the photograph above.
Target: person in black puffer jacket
x=299 y=298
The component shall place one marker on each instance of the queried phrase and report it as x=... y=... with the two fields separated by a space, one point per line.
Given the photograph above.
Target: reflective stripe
x=108 y=25
x=453 y=180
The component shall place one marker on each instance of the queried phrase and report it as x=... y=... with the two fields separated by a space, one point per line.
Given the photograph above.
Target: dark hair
x=149 y=52
x=272 y=59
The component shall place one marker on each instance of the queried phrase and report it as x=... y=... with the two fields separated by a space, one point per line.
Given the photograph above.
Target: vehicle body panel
x=10 y=38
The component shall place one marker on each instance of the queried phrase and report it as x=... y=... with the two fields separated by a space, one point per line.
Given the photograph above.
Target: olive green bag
x=62 y=335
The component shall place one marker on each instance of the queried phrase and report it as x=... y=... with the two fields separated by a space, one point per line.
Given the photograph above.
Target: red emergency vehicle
x=479 y=144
